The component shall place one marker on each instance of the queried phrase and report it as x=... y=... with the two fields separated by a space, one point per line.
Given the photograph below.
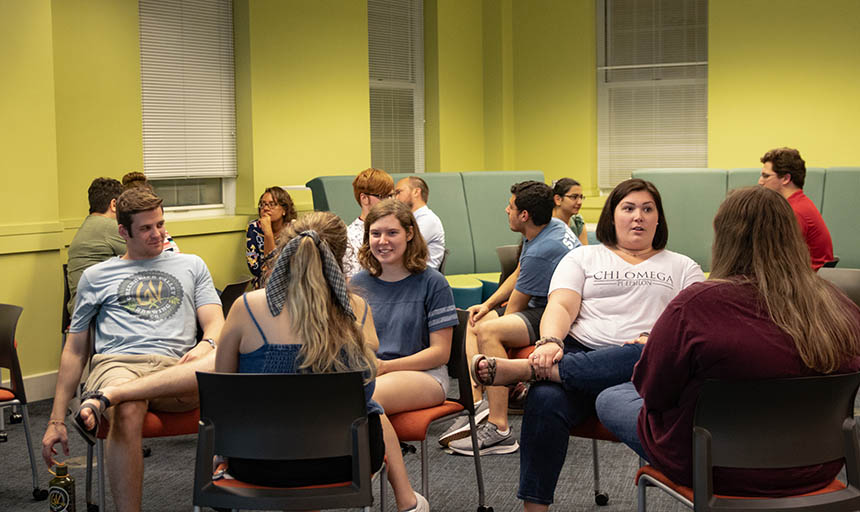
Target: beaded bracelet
x=57 y=422
x=549 y=339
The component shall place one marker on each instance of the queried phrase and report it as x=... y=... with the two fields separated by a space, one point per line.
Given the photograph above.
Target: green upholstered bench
x=691 y=197
x=690 y=200
x=813 y=186
x=471 y=206
x=841 y=188
x=487 y=195
x=448 y=201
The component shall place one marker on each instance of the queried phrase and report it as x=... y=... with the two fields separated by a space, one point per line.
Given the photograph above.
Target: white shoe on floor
x=422 y=506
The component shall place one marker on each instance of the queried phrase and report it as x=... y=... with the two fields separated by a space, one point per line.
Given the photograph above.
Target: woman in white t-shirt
x=603 y=300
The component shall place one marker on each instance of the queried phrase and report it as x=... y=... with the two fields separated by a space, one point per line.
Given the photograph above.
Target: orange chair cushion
x=521 y=353
x=6 y=395
x=162 y=424
x=230 y=482
x=687 y=492
x=412 y=425
x=593 y=429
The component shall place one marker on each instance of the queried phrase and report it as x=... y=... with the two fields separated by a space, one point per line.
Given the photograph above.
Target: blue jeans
x=553 y=409
x=618 y=409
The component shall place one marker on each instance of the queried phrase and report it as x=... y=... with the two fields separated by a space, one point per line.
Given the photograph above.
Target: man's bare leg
x=493 y=337
x=176 y=381
x=124 y=455
x=472 y=349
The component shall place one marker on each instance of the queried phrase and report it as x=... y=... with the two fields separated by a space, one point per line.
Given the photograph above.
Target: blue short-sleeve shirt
x=539 y=258
x=405 y=312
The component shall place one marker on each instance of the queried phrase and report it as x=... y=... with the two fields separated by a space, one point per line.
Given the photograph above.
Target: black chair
x=847 y=279
x=509 y=256
x=770 y=424
x=232 y=292
x=15 y=395
x=307 y=416
x=444 y=260
x=832 y=263
x=413 y=425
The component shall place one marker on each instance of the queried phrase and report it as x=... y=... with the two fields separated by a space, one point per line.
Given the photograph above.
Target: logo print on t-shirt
x=151 y=294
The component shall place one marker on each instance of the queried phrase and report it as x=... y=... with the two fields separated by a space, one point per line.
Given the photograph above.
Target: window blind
x=188 y=91
x=652 y=86
x=396 y=61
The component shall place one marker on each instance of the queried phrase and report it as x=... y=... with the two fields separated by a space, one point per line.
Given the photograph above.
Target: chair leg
x=425 y=480
x=38 y=494
x=600 y=498
x=383 y=480
x=89 y=479
x=479 y=473
x=100 y=457
x=642 y=495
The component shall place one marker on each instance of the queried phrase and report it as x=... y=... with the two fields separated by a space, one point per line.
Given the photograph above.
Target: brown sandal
x=491 y=367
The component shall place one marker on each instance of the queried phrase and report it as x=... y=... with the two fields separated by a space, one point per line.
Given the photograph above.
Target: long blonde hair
x=332 y=341
x=757 y=240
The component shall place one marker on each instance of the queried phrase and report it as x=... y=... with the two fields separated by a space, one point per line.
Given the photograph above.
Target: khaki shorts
x=108 y=369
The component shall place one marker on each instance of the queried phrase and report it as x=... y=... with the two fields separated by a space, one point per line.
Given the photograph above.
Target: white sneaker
x=422 y=506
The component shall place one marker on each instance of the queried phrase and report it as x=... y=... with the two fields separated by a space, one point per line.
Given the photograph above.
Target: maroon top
x=813 y=228
x=716 y=330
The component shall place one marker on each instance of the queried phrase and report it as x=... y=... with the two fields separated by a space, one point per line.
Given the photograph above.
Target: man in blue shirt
x=493 y=329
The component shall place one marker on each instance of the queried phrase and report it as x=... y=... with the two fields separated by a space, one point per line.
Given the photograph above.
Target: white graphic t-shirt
x=620 y=300
x=144 y=306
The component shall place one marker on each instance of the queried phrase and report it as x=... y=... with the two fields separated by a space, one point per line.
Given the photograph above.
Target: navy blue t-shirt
x=405 y=312
x=539 y=258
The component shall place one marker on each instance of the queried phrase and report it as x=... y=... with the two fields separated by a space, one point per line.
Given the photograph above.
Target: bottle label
x=58 y=498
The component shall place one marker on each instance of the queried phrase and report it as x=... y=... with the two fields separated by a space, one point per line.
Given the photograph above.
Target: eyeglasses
x=266 y=204
x=575 y=196
x=381 y=196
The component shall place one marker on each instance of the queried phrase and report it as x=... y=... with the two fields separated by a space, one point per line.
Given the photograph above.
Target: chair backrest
x=283 y=416
x=762 y=423
x=508 y=259
x=847 y=279
x=67 y=296
x=832 y=263
x=444 y=260
x=232 y=292
x=458 y=366
x=9 y=315
x=776 y=424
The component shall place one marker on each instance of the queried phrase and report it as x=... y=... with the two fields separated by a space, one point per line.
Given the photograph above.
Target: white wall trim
x=39 y=386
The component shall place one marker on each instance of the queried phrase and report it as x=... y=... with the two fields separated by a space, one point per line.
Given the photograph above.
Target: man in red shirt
x=785 y=171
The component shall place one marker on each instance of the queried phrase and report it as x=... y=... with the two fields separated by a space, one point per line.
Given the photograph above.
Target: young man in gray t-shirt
x=146 y=306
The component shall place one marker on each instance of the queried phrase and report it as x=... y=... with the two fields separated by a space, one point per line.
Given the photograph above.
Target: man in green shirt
x=98 y=237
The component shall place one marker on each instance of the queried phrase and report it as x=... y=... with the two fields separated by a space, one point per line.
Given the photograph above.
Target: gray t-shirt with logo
x=144 y=306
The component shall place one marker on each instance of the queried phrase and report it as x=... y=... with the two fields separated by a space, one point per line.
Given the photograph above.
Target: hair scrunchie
x=276 y=287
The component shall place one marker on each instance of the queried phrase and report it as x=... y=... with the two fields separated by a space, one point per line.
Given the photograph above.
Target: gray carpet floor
x=169 y=473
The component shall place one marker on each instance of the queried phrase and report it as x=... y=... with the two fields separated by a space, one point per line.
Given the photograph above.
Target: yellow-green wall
x=555 y=97
x=307 y=89
x=783 y=76
x=509 y=84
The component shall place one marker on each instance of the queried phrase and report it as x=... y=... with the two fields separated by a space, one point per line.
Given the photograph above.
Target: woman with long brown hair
x=763 y=314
